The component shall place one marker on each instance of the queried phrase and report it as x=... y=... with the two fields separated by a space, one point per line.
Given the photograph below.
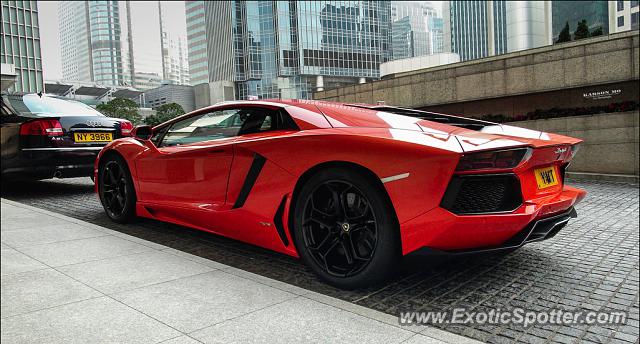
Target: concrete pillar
x=319 y=83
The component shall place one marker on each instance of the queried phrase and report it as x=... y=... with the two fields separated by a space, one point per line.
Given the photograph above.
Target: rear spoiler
x=467 y=123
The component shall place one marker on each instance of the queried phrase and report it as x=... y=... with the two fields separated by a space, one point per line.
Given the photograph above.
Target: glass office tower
x=436 y=35
x=287 y=49
x=197 y=42
x=475 y=29
x=412 y=22
x=90 y=43
x=596 y=13
x=20 y=44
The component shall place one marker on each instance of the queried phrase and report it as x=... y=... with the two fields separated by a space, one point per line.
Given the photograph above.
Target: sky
x=50 y=40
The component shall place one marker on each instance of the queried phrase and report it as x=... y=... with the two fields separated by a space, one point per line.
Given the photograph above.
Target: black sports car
x=46 y=136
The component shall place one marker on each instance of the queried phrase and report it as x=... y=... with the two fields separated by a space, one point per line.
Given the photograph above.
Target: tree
x=164 y=113
x=121 y=108
x=582 y=31
x=565 y=34
x=597 y=32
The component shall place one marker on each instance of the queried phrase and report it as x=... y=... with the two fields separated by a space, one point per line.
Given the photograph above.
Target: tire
x=115 y=188
x=351 y=246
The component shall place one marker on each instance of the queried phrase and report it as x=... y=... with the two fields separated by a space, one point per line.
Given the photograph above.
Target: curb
x=616 y=178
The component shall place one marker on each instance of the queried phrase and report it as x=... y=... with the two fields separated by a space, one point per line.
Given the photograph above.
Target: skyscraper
x=146 y=56
x=475 y=29
x=20 y=45
x=197 y=42
x=286 y=49
x=436 y=34
x=410 y=29
x=91 y=42
x=119 y=43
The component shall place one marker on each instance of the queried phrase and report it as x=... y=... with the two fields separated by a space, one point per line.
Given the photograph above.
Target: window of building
x=634 y=3
x=620 y=5
x=620 y=21
x=634 y=21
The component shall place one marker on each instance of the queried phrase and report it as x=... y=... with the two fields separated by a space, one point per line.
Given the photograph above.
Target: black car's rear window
x=50 y=106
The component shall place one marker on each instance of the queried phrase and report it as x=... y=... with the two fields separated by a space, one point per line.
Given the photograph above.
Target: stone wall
x=589 y=62
x=610 y=140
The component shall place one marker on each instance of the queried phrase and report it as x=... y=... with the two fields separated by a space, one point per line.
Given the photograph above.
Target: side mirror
x=142 y=132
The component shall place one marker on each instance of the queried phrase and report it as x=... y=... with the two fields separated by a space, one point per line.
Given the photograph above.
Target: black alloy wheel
x=116 y=189
x=344 y=229
x=339 y=228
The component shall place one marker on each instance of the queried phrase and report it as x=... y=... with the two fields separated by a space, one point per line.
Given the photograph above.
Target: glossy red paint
x=196 y=185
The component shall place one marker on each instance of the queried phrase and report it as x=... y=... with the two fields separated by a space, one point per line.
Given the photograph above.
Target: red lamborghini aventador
x=348 y=188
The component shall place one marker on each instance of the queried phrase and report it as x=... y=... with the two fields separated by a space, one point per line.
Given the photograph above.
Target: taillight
x=42 y=127
x=125 y=128
x=499 y=159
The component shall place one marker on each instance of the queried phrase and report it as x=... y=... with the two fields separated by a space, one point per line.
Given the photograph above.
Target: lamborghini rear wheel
x=344 y=229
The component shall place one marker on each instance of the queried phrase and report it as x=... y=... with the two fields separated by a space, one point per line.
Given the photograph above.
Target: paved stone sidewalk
x=592 y=264
x=66 y=280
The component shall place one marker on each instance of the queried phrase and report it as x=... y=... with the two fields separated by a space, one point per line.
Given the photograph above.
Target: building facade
x=623 y=15
x=475 y=29
x=91 y=45
x=167 y=94
x=104 y=42
x=197 y=42
x=571 y=12
x=436 y=35
x=20 y=45
x=410 y=30
x=287 y=49
x=156 y=55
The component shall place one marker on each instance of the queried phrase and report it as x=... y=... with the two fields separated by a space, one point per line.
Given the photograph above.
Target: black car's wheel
x=345 y=229
x=116 y=190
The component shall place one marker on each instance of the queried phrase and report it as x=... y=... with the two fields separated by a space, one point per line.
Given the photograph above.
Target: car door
x=262 y=124
x=190 y=167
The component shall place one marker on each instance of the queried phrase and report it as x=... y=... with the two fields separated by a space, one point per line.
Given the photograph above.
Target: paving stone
x=83 y=250
x=35 y=290
x=100 y=320
x=187 y=305
x=591 y=264
x=315 y=323
x=133 y=271
x=12 y=261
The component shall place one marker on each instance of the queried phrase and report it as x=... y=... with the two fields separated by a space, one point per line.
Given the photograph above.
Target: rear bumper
x=538 y=230
x=442 y=230
x=44 y=163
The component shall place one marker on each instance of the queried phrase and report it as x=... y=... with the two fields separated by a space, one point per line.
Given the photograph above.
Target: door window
x=221 y=124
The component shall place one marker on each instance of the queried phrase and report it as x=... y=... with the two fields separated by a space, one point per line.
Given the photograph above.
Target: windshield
x=50 y=106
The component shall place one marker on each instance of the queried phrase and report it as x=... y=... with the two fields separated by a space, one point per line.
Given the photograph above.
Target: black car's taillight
x=42 y=127
x=490 y=160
